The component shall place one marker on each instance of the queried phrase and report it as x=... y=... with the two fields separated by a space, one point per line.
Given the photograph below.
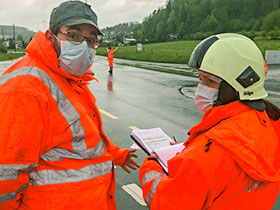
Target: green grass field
x=172 y=52
x=10 y=56
x=268 y=45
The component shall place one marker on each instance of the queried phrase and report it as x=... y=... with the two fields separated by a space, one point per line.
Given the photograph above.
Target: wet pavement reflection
x=110 y=82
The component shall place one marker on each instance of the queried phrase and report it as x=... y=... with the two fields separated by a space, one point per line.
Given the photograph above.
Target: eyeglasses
x=76 y=38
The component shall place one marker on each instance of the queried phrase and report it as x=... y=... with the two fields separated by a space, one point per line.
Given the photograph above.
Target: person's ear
x=49 y=35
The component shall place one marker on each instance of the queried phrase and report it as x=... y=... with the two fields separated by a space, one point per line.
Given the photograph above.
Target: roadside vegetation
x=172 y=52
x=196 y=20
x=166 y=52
x=10 y=56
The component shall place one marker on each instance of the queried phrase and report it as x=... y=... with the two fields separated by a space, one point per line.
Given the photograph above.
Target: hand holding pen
x=175 y=141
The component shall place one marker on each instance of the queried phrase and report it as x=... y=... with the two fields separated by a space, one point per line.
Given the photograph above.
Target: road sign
x=139 y=47
x=272 y=56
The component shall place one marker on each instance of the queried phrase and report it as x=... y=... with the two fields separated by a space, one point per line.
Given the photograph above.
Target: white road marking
x=108 y=114
x=136 y=192
x=188 y=91
x=274 y=93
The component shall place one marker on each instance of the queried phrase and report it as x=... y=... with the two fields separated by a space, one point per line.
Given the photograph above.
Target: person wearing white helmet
x=236 y=62
x=231 y=159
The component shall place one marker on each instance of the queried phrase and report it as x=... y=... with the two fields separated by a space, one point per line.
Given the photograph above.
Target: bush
x=3 y=48
x=201 y=35
x=250 y=34
x=274 y=34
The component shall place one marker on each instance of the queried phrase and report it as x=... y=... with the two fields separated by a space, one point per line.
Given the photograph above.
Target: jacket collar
x=256 y=160
x=215 y=115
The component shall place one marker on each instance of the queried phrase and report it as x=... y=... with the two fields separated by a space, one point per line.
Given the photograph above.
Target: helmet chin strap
x=255 y=104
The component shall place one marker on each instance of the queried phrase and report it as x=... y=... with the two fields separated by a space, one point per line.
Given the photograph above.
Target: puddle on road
x=110 y=82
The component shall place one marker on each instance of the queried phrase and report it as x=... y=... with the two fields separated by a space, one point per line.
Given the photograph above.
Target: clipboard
x=159 y=161
x=139 y=145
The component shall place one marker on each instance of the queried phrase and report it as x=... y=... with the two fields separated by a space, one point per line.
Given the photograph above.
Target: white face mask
x=205 y=97
x=75 y=59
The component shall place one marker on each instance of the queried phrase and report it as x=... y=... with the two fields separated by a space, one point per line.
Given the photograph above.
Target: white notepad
x=154 y=140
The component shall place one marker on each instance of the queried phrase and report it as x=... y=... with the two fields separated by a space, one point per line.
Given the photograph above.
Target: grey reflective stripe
x=11 y=172
x=80 y=150
x=14 y=74
x=147 y=178
x=153 y=188
x=45 y=177
x=12 y=195
x=57 y=154
x=150 y=176
x=64 y=106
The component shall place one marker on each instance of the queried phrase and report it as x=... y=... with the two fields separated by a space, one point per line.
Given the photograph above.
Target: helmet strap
x=255 y=104
x=226 y=94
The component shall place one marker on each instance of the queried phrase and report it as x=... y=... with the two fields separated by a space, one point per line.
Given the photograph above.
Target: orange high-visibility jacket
x=230 y=162
x=111 y=56
x=54 y=154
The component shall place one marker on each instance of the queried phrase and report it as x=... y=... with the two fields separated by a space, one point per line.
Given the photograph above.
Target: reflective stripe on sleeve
x=12 y=195
x=57 y=154
x=11 y=172
x=147 y=178
x=45 y=177
x=150 y=176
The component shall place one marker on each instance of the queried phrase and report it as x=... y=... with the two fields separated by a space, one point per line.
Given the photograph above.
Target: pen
x=174 y=138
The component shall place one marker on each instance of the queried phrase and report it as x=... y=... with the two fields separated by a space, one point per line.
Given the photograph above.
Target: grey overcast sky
x=34 y=14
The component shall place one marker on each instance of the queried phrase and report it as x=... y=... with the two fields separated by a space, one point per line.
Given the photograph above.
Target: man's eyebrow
x=75 y=27
x=93 y=32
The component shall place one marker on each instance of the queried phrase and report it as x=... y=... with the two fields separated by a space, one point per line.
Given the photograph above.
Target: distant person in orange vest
x=111 y=58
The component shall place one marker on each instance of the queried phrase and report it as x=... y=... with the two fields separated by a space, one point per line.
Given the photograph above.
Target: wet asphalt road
x=147 y=99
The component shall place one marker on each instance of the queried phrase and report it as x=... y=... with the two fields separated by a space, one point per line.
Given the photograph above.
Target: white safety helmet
x=234 y=58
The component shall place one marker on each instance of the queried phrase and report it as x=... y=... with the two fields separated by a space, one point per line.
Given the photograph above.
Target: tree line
x=197 y=19
x=117 y=33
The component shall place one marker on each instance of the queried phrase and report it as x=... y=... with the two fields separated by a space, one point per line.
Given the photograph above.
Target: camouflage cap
x=71 y=13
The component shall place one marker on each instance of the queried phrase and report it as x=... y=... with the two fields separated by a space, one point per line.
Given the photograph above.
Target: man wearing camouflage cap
x=53 y=151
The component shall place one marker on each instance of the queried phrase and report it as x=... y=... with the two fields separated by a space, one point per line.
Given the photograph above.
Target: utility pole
x=14 y=32
x=3 y=36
